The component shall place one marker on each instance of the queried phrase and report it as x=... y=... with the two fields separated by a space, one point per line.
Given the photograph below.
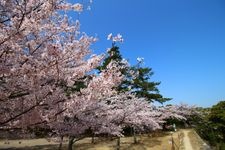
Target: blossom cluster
x=117 y=38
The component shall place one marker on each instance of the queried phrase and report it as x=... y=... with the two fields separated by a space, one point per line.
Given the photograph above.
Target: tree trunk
x=93 y=139
x=118 y=144
x=60 y=144
x=134 y=135
x=71 y=141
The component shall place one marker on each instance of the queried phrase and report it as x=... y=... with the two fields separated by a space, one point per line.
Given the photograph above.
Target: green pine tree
x=113 y=55
x=143 y=87
x=141 y=84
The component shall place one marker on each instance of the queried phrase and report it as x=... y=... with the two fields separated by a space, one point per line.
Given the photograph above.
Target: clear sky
x=183 y=41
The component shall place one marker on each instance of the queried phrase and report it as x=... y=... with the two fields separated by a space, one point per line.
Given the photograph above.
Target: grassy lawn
x=145 y=142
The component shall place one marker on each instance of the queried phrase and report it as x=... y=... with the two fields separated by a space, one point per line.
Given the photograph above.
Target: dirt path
x=25 y=143
x=186 y=140
x=146 y=142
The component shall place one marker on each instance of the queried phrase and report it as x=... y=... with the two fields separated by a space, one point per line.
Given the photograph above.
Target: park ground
x=181 y=140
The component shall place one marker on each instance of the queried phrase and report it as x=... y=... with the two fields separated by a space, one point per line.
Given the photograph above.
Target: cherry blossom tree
x=180 y=113
x=133 y=112
x=41 y=52
x=110 y=114
x=170 y=112
x=82 y=108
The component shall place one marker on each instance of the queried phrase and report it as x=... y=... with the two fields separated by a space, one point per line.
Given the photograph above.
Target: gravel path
x=186 y=140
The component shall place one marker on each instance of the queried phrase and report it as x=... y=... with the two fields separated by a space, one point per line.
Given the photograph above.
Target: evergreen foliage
x=139 y=83
x=211 y=125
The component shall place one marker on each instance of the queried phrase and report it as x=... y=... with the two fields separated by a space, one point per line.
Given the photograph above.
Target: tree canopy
x=137 y=78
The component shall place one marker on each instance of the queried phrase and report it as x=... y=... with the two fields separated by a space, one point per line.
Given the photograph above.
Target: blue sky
x=183 y=41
